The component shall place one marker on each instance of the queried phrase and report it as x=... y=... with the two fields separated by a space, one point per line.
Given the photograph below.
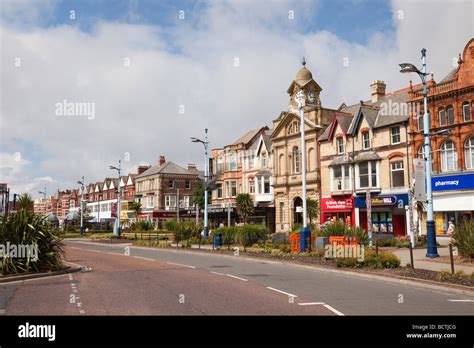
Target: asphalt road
x=165 y=281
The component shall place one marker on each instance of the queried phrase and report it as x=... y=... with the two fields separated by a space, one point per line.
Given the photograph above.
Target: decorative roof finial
x=303 y=62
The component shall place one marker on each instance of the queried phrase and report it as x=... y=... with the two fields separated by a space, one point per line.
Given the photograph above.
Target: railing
x=436 y=89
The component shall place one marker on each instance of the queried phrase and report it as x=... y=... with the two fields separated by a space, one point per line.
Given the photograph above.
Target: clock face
x=311 y=97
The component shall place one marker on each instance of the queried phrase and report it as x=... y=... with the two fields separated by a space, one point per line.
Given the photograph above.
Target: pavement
x=423 y=262
x=129 y=280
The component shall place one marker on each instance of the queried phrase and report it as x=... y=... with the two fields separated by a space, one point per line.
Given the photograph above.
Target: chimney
x=161 y=161
x=377 y=89
x=192 y=166
x=141 y=169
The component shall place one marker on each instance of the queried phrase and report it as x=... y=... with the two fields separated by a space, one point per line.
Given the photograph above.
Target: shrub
x=350 y=262
x=361 y=235
x=25 y=228
x=170 y=225
x=383 y=260
x=337 y=228
x=142 y=226
x=228 y=235
x=285 y=248
x=250 y=234
x=463 y=238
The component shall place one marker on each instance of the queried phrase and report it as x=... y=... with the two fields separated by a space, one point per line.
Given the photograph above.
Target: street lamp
x=117 y=219
x=431 y=249
x=43 y=193
x=205 y=143
x=305 y=233
x=81 y=182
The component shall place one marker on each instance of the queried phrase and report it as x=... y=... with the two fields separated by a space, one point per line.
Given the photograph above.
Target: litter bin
x=218 y=240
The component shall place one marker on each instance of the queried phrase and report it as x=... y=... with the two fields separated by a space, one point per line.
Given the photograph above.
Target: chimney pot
x=162 y=160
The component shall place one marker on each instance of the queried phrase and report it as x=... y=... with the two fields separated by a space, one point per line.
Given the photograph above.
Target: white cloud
x=137 y=107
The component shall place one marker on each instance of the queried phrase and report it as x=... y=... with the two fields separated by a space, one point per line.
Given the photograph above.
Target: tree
x=198 y=198
x=25 y=202
x=245 y=205
x=312 y=209
x=137 y=208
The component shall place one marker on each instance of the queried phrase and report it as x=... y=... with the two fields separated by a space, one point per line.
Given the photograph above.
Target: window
x=466 y=111
x=296 y=160
x=149 y=202
x=252 y=186
x=266 y=185
x=395 y=131
x=419 y=120
x=294 y=127
x=448 y=156
x=340 y=145
x=341 y=178
x=219 y=192
x=442 y=117
x=282 y=211
x=282 y=164
x=170 y=184
x=368 y=174
x=233 y=187
x=469 y=153
x=450 y=111
x=365 y=140
x=187 y=201
x=421 y=152
x=227 y=189
x=398 y=174
x=170 y=202
x=187 y=184
x=251 y=161
x=264 y=160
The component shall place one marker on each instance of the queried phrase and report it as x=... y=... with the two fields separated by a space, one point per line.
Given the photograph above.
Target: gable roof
x=247 y=137
x=344 y=120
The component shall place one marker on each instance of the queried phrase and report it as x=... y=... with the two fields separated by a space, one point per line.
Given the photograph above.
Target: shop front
x=453 y=201
x=339 y=208
x=387 y=213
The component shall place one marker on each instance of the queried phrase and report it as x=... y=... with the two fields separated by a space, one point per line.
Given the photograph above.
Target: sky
x=151 y=74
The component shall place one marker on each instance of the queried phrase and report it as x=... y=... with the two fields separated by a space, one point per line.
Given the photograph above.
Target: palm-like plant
x=245 y=205
x=312 y=209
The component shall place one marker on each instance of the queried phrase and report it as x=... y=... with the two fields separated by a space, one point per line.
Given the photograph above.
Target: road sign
x=420 y=188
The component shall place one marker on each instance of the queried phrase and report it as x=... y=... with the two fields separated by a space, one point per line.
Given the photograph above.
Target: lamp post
x=117 y=219
x=43 y=193
x=431 y=249
x=205 y=143
x=305 y=233
x=82 y=205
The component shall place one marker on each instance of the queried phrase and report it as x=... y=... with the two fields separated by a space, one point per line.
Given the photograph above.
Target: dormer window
x=340 y=145
x=365 y=140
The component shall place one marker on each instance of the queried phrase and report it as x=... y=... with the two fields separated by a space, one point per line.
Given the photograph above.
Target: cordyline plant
x=26 y=228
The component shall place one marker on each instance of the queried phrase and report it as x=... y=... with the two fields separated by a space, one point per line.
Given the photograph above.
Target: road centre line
x=455 y=300
x=233 y=276
x=311 y=303
x=180 y=264
x=144 y=258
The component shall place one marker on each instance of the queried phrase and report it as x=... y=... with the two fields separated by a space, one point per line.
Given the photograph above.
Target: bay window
x=341 y=177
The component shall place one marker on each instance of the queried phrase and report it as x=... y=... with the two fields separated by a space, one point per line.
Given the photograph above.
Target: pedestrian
x=451 y=228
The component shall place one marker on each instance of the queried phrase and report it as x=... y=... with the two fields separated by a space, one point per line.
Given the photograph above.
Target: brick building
x=451 y=107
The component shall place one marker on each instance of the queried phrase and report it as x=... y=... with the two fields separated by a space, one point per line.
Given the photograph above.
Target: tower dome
x=303 y=75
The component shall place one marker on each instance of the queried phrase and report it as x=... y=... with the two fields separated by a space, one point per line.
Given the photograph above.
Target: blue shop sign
x=453 y=182
x=398 y=201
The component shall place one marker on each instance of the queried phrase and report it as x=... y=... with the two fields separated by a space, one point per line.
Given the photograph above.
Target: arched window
x=466 y=111
x=450 y=112
x=281 y=164
x=296 y=160
x=419 y=121
x=294 y=127
x=421 y=152
x=442 y=117
x=311 y=160
x=448 y=156
x=469 y=153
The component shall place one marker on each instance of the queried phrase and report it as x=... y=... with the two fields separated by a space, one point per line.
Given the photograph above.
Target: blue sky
x=190 y=63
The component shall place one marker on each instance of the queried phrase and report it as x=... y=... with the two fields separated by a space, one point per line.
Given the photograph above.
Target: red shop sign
x=336 y=204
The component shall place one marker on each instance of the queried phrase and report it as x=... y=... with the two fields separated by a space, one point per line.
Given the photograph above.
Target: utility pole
x=177 y=204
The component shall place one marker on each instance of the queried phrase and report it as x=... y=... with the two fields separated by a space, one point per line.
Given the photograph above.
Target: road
x=134 y=280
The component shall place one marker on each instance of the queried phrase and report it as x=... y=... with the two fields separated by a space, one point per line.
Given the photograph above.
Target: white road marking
x=79 y=304
x=334 y=310
x=460 y=300
x=233 y=276
x=311 y=303
x=82 y=311
x=179 y=264
x=217 y=273
x=144 y=258
x=283 y=292
x=109 y=252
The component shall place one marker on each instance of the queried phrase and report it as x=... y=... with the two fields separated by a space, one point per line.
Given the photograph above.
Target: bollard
x=411 y=256
x=451 y=257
